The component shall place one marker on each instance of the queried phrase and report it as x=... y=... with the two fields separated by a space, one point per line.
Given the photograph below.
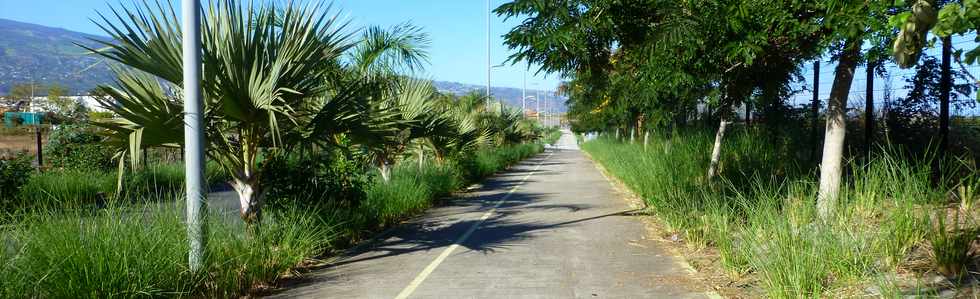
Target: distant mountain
x=46 y=55
x=510 y=96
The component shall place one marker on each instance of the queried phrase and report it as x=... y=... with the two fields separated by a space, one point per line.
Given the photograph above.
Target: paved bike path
x=550 y=227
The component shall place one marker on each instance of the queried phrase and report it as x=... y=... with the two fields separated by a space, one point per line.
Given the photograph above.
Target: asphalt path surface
x=550 y=227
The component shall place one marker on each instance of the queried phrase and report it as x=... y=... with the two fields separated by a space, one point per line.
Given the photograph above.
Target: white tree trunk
x=421 y=156
x=716 y=150
x=385 y=170
x=632 y=135
x=646 y=139
x=833 y=146
x=249 y=199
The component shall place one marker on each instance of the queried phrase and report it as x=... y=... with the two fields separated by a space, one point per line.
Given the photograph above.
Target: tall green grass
x=760 y=213
x=74 y=189
x=485 y=162
x=142 y=252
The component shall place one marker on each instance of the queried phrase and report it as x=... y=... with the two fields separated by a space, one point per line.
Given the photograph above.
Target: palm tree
x=461 y=132
x=273 y=78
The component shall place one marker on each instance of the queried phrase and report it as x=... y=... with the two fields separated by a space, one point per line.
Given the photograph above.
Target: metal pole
x=193 y=133
x=37 y=136
x=488 y=54
x=537 y=102
x=524 y=96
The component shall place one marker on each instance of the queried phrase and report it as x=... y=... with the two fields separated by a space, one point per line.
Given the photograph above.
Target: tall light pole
x=193 y=133
x=488 y=54
x=524 y=96
x=537 y=101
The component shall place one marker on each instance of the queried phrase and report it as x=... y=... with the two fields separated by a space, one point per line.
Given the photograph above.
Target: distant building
x=41 y=104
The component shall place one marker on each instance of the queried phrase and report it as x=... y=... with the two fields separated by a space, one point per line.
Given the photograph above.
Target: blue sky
x=457 y=29
x=899 y=88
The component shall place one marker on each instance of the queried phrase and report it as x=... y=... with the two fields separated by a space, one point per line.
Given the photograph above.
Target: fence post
x=40 y=155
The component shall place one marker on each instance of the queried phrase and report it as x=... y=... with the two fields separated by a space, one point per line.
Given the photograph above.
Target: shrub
x=78 y=147
x=13 y=175
x=325 y=178
x=485 y=162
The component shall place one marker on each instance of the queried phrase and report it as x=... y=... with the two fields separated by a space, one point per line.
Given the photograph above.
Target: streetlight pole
x=524 y=96
x=537 y=102
x=193 y=133
x=488 y=54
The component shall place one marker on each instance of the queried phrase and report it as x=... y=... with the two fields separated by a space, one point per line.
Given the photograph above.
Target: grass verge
x=760 y=214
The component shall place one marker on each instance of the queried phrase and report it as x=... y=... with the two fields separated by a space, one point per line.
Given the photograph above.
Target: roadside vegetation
x=694 y=105
x=323 y=133
x=760 y=214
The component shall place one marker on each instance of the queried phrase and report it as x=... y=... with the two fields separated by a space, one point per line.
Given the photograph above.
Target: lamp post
x=193 y=133
x=537 y=102
x=524 y=96
x=489 y=67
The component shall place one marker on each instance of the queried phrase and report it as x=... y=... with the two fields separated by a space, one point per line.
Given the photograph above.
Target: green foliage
x=14 y=173
x=485 y=162
x=328 y=178
x=411 y=190
x=78 y=147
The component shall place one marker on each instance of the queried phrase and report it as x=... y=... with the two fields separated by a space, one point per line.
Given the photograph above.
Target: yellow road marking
x=408 y=290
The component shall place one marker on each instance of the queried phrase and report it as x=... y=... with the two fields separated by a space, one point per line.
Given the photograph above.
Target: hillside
x=46 y=55
x=510 y=96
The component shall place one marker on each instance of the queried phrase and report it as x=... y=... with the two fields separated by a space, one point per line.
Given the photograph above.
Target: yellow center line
x=408 y=290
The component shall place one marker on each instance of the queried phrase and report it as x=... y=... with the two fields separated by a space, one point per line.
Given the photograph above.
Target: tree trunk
x=869 y=110
x=646 y=139
x=633 y=135
x=250 y=199
x=748 y=113
x=945 y=87
x=833 y=146
x=385 y=170
x=716 y=151
x=421 y=156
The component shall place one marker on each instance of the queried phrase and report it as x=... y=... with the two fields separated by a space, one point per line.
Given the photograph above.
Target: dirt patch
x=12 y=144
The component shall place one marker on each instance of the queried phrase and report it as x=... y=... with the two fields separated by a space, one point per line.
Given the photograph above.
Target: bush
x=78 y=147
x=325 y=178
x=485 y=162
x=13 y=175
x=410 y=191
